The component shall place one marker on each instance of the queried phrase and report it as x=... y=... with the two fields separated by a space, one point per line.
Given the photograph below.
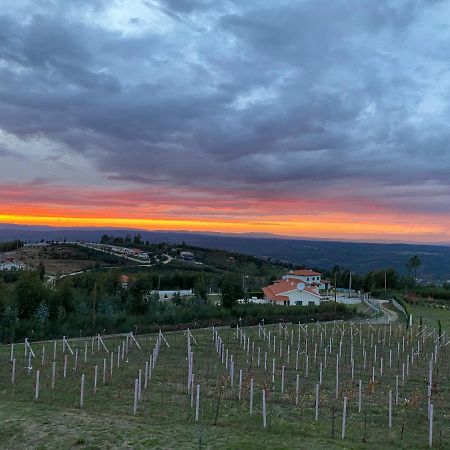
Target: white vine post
x=82 y=391
x=197 y=404
x=240 y=384
x=136 y=382
x=53 y=375
x=251 y=396
x=13 y=373
x=66 y=343
x=344 y=417
x=317 y=402
x=30 y=367
x=390 y=409
x=36 y=391
x=264 y=408
x=104 y=370
x=337 y=375
x=430 y=432
x=140 y=385
x=192 y=390
x=95 y=379
x=359 y=395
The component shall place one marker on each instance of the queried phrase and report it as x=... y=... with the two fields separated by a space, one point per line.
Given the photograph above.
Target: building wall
x=306 y=279
x=302 y=296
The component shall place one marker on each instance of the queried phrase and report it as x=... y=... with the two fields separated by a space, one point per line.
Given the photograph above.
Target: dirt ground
x=57 y=259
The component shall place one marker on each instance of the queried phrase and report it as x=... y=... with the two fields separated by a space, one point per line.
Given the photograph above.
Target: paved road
x=389 y=316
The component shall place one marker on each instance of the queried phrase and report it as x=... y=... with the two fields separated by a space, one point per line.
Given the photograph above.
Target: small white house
x=187 y=256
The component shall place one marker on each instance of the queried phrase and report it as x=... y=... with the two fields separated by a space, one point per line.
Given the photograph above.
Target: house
x=143 y=255
x=187 y=256
x=291 y=291
x=124 y=279
x=309 y=277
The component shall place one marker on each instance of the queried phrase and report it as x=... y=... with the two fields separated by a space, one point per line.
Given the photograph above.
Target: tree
x=200 y=289
x=2 y=296
x=61 y=299
x=137 y=240
x=412 y=265
x=105 y=239
x=231 y=288
x=41 y=271
x=29 y=293
x=138 y=294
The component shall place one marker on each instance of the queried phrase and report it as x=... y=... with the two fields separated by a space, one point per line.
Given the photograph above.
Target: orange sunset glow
x=150 y=124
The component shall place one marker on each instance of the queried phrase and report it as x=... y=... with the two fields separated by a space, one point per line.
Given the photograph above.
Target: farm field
x=166 y=413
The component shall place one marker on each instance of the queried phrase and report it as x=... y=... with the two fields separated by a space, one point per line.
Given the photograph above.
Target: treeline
x=11 y=245
x=97 y=302
x=371 y=281
x=388 y=284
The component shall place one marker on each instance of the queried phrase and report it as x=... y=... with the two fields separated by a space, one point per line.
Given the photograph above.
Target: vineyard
x=327 y=385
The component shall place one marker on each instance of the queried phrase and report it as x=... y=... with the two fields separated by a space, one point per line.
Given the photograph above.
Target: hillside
x=360 y=257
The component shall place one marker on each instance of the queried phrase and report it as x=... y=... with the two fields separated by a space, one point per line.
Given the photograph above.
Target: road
x=389 y=316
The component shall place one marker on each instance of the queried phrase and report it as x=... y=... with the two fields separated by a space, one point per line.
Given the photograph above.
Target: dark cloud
x=260 y=97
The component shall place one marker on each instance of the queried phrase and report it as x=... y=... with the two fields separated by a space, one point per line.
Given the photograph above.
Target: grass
x=165 y=418
x=431 y=315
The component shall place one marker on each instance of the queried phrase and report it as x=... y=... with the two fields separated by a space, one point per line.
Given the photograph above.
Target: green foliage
x=41 y=271
x=2 y=296
x=200 y=289
x=412 y=265
x=231 y=289
x=29 y=293
x=11 y=245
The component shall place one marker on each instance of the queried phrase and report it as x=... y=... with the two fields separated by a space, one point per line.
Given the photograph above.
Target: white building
x=292 y=292
x=309 y=277
x=168 y=295
x=12 y=265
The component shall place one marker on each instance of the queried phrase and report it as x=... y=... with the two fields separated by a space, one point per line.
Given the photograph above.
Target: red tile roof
x=306 y=273
x=276 y=290
x=273 y=297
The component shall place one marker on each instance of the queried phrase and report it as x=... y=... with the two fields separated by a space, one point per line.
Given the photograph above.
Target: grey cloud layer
x=277 y=97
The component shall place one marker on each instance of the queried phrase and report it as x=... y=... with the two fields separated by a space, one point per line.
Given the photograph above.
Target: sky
x=304 y=118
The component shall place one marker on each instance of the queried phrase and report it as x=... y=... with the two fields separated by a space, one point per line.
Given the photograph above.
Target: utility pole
x=94 y=300
x=335 y=293
x=385 y=282
x=244 y=276
x=159 y=282
x=350 y=285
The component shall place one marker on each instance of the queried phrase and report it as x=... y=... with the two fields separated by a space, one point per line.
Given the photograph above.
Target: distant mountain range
x=320 y=254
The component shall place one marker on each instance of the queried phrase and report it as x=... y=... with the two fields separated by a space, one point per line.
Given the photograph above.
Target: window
x=311 y=303
x=286 y=302
x=299 y=303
